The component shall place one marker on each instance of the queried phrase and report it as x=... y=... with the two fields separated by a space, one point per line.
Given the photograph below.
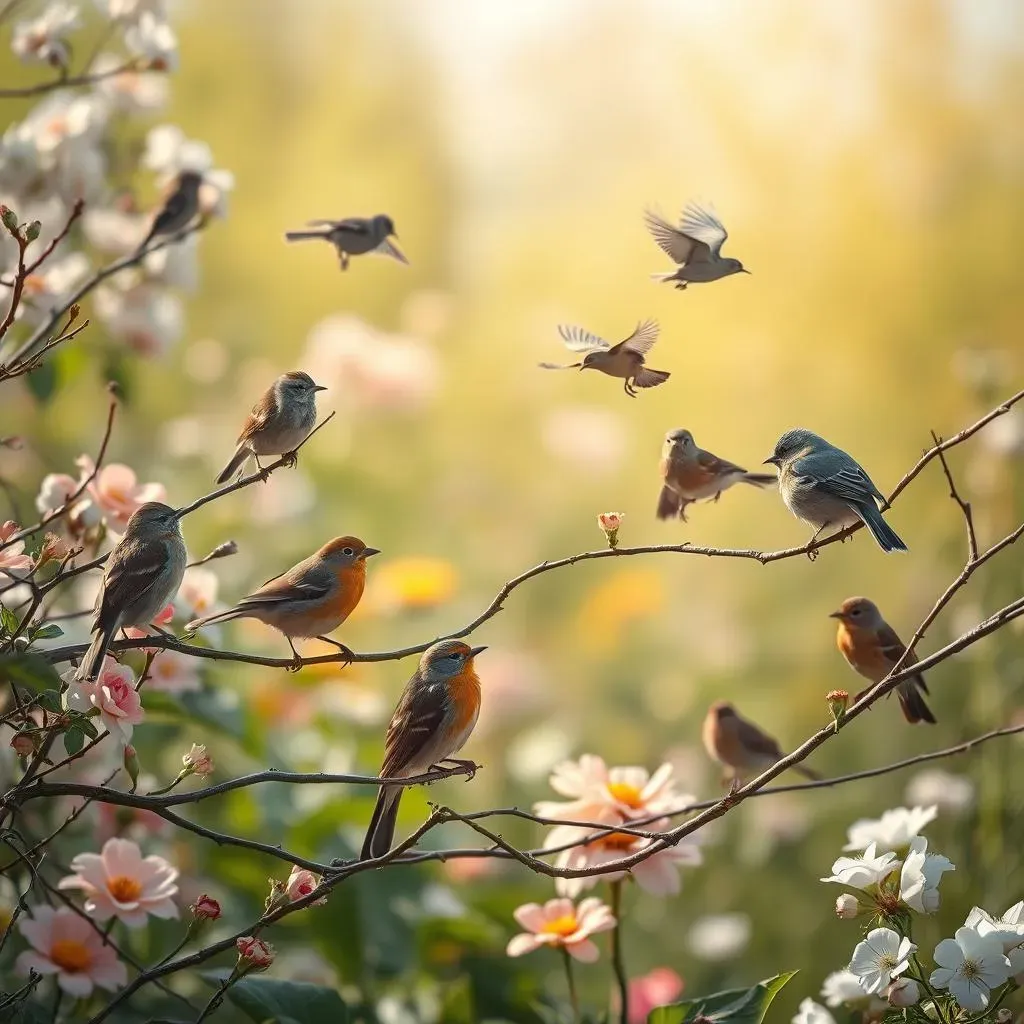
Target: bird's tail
x=300 y=236
x=670 y=505
x=668 y=276
x=648 y=378
x=807 y=773
x=237 y=461
x=884 y=534
x=225 y=616
x=760 y=479
x=93 y=660
x=381 y=831
x=912 y=703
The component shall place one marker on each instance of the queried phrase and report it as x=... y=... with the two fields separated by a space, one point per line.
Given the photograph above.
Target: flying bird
x=696 y=246
x=354 y=236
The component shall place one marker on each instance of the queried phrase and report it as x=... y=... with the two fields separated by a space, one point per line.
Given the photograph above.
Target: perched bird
x=625 y=360
x=692 y=474
x=310 y=599
x=354 y=236
x=740 y=746
x=696 y=245
x=181 y=207
x=825 y=487
x=435 y=715
x=872 y=648
x=142 y=575
x=279 y=422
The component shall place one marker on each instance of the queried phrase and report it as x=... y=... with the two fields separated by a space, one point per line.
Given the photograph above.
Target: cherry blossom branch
x=66 y=81
x=33 y=362
x=76 y=211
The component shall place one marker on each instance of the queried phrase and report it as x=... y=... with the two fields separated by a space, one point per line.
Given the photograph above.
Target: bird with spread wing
x=695 y=245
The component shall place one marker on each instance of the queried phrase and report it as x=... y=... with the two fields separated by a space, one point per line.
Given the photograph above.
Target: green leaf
x=31 y=670
x=43 y=382
x=284 y=1002
x=734 y=1006
x=83 y=722
x=49 y=700
x=48 y=632
x=74 y=740
x=8 y=620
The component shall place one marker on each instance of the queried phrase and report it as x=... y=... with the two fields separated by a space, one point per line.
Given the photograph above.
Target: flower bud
x=609 y=522
x=1004 y=1016
x=229 y=547
x=903 y=992
x=847 y=907
x=54 y=549
x=73 y=313
x=131 y=764
x=23 y=744
x=837 y=704
x=301 y=882
x=32 y=231
x=9 y=218
x=254 y=953
x=197 y=761
x=206 y=908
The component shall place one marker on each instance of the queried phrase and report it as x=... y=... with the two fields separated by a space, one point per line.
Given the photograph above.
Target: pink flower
x=172 y=672
x=54 y=491
x=118 y=493
x=259 y=955
x=197 y=594
x=163 y=617
x=120 y=882
x=609 y=523
x=14 y=563
x=560 y=923
x=301 y=883
x=114 y=693
x=205 y=908
x=67 y=945
x=197 y=761
x=658 y=988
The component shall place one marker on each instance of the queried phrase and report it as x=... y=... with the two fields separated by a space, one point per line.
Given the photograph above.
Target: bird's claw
x=812 y=553
x=290 y=459
x=295 y=665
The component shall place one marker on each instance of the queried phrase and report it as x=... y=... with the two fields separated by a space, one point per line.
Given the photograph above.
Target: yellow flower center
x=564 y=926
x=627 y=794
x=616 y=841
x=70 y=955
x=124 y=889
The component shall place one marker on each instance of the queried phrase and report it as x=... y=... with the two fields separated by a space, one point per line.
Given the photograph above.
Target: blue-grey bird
x=180 y=209
x=354 y=236
x=696 y=245
x=624 y=360
x=825 y=487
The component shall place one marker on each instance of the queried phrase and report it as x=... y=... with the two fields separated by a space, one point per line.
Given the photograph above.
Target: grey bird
x=354 y=236
x=180 y=209
x=279 y=422
x=624 y=360
x=825 y=487
x=142 y=575
x=696 y=245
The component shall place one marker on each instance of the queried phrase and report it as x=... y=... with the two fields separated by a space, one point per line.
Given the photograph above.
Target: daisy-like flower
x=842 y=987
x=880 y=957
x=1009 y=929
x=863 y=871
x=892 y=831
x=119 y=882
x=117 y=491
x=172 y=672
x=919 y=879
x=970 y=966
x=130 y=91
x=68 y=946
x=560 y=923
x=113 y=693
x=811 y=1012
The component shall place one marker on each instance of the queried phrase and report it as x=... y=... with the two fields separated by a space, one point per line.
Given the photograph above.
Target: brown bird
x=692 y=474
x=624 y=360
x=872 y=648
x=740 y=746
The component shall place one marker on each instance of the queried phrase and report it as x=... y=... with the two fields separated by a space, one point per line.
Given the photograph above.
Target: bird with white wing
x=695 y=245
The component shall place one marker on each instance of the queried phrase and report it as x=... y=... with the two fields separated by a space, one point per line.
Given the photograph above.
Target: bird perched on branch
x=178 y=211
x=435 y=716
x=624 y=360
x=696 y=245
x=142 y=575
x=692 y=474
x=740 y=746
x=309 y=600
x=354 y=236
x=825 y=487
x=279 y=422
x=872 y=648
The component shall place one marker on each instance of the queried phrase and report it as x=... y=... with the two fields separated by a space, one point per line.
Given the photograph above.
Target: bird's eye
x=347 y=551
x=855 y=612
x=454 y=656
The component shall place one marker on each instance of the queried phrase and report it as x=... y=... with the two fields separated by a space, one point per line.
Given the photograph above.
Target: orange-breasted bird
x=435 y=716
x=872 y=648
x=692 y=474
x=311 y=598
x=740 y=746
x=624 y=360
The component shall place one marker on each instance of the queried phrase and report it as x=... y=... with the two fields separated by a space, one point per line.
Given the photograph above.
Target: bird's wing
x=835 y=473
x=578 y=340
x=756 y=740
x=703 y=226
x=322 y=223
x=134 y=570
x=677 y=246
x=717 y=466
x=641 y=340
x=420 y=714
x=559 y=366
x=262 y=411
x=891 y=645
x=388 y=248
x=300 y=583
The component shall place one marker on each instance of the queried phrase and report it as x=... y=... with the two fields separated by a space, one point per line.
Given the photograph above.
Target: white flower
x=717 y=937
x=129 y=91
x=175 y=265
x=970 y=966
x=881 y=956
x=811 y=1012
x=892 y=831
x=953 y=793
x=904 y=992
x=132 y=10
x=847 y=907
x=1008 y=929
x=51 y=286
x=151 y=37
x=43 y=39
x=867 y=869
x=145 y=317
x=919 y=879
x=842 y=987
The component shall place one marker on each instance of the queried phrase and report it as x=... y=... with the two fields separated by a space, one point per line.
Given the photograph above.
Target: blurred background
x=867 y=160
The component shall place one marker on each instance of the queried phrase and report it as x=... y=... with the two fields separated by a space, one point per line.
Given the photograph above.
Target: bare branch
x=70 y=81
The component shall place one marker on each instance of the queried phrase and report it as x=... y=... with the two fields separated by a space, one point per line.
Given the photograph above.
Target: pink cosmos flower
x=562 y=924
x=120 y=882
x=67 y=945
x=14 y=563
x=113 y=692
x=118 y=492
x=172 y=672
x=259 y=955
x=657 y=988
x=302 y=882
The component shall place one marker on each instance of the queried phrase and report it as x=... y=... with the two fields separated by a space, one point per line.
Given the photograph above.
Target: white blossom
x=867 y=869
x=919 y=879
x=144 y=317
x=842 y=987
x=154 y=39
x=811 y=1012
x=847 y=907
x=1008 y=929
x=880 y=957
x=954 y=793
x=168 y=153
x=893 y=831
x=970 y=966
x=43 y=39
x=130 y=91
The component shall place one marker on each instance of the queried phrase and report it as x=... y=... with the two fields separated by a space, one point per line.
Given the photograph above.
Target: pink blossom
x=205 y=908
x=117 y=492
x=197 y=761
x=657 y=988
x=14 y=563
x=255 y=952
x=67 y=945
x=163 y=617
x=561 y=924
x=113 y=692
x=54 y=491
x=119 y=882
x=172 y=672
x=197 y=594
x=301 y=883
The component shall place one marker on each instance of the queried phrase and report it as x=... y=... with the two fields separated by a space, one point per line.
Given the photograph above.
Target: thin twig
x=67 y=82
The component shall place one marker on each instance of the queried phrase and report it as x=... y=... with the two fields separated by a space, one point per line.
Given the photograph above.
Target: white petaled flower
x=842 y=987
x=970 y=966
x=51 y=286
x=919 y=879
x=132 y=10
x=865 y=870
x=892 y=831
x=903 y=992
x=954 y=793
x=154 y=39
x=880 y=957
x=43 y=39
x=811 y=1012
x=1009 y=929
x=129 y=91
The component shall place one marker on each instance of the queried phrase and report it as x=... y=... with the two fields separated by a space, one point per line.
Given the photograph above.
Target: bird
x=354 y=236
x=179 y=210
x=871 y=647
x=692 y=474
x=625 y=360
x=279 y=422
x=696 y=245
x=824 y=487
x=740 y=746
x=312 y=598
x=434 y=717
x=141 y=577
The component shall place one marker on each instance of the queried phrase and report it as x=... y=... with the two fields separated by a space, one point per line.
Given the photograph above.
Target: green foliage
x=31 y=670
x=734 y=1006
x=269 y=1000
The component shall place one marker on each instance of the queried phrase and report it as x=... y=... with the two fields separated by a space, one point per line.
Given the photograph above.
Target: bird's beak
x=770 y=461
x=394 y=234
x=320 y=387
x=745 y=271
x=370 y=552
x=835 y=615
x=474 y=651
